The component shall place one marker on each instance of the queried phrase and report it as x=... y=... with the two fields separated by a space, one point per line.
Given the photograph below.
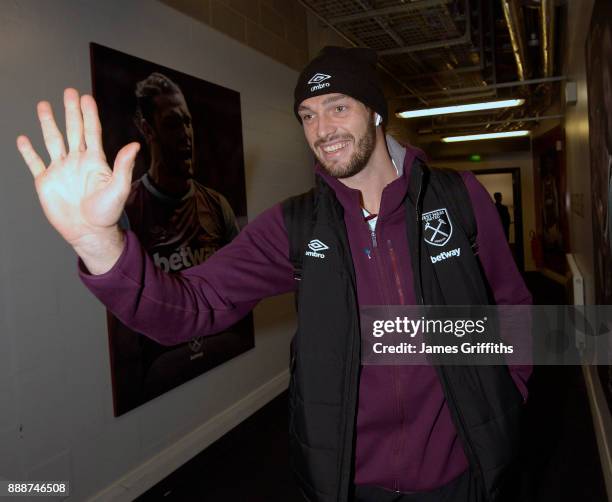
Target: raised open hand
x=80 y=195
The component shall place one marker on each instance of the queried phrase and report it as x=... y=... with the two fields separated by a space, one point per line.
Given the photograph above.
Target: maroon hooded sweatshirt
x=406 y=439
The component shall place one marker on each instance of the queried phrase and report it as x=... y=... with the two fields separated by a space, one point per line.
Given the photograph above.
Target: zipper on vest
x=349 y=404
x=346 y=445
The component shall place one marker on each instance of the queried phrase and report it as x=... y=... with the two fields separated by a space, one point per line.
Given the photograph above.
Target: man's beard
x=179 y=164
x=360 y=158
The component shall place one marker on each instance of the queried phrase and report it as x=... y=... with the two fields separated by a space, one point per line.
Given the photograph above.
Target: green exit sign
x=475 y=157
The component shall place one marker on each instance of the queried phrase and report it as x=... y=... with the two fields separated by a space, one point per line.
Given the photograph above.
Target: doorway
x=507 y=181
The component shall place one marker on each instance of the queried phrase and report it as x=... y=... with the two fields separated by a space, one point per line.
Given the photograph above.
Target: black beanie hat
x=350 y=71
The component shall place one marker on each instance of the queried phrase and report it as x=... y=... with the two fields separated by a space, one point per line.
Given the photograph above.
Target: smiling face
x=340 y=131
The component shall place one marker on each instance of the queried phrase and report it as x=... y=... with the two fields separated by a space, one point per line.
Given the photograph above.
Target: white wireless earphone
x=377 y=119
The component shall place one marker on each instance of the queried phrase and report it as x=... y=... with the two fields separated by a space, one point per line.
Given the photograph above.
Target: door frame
x=518 y=208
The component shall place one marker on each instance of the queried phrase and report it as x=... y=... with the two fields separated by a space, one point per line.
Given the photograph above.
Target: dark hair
x=497 y=195
x=147 y=90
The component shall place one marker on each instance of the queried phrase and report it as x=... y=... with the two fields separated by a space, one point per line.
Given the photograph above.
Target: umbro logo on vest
x=437 y=227
x=315 y=247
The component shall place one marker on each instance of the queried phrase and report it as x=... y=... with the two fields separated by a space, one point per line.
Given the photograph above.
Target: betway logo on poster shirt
x=185 y=257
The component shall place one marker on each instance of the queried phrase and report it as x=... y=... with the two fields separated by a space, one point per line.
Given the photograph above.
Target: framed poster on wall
x=187 y=200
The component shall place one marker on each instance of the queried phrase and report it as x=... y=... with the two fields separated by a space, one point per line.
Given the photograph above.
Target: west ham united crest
x=437 y=227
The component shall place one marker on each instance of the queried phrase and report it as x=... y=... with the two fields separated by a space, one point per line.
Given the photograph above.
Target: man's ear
x=377 y=119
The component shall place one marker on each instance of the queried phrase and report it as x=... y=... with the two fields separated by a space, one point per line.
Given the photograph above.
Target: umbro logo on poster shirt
x=196 y=345
x=315 y=247
x=318 y=79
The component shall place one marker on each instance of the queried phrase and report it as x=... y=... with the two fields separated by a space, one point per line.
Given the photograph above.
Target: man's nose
x=325 y=126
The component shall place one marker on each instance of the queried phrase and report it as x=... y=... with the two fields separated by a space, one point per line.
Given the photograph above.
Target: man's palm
x=80 y=195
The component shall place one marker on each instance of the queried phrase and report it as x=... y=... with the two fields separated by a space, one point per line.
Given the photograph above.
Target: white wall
x=56 y=418
x=524 y=161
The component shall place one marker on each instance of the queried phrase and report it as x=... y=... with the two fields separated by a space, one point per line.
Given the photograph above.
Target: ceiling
x=444 y=52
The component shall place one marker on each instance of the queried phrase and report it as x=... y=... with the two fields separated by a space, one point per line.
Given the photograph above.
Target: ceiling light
x=470 y=107
x=492 y=135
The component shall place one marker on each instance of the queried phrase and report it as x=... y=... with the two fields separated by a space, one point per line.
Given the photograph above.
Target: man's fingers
x=32 y=159
x=92 y=127
x=74 y=120
x=51 y=134
x=124 y=165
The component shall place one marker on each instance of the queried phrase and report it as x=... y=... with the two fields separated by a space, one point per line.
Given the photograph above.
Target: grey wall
x=56 y=419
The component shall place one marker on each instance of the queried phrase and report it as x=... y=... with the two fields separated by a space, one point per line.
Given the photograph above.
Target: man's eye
x=174 y=122
x=306 y=118
x=340 y=108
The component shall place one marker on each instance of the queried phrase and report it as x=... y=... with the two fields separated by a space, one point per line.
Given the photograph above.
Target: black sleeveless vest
x=325 y=352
